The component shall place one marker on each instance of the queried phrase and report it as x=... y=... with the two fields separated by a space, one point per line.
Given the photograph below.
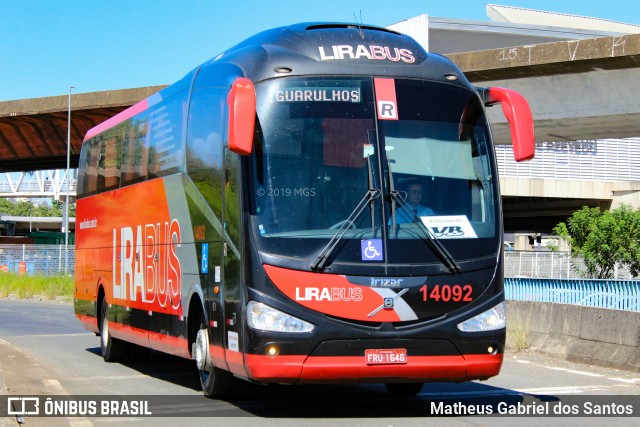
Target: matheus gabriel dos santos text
x=599 y=406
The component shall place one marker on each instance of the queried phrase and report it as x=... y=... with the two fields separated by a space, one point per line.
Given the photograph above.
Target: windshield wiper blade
x=445 y=256
x=393 y=195
x=396 y=201
x=368 y=198
x=322 y=258
x=372 y=207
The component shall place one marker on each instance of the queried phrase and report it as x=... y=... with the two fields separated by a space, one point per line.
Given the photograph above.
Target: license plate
x=392 y=356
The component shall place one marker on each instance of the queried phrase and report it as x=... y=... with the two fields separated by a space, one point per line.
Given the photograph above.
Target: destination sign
x=318 y=94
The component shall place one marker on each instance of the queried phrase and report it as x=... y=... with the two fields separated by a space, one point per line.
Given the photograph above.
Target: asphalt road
x=44 y=351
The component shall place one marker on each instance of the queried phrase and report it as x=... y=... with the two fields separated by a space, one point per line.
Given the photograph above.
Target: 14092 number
x=447 y=293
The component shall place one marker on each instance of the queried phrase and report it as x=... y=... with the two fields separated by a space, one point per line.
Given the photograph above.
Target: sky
x=94 y=45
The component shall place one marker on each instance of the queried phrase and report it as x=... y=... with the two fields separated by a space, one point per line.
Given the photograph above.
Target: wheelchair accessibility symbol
x=204 y=264
x=371 y=249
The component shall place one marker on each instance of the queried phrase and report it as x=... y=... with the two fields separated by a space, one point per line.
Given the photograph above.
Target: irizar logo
x=372 y=52
x=328 y=294
x=385 y=282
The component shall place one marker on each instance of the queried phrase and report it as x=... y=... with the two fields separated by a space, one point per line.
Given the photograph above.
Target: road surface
x=44 y=351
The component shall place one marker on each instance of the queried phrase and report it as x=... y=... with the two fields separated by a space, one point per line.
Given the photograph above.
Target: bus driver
x=413 y=199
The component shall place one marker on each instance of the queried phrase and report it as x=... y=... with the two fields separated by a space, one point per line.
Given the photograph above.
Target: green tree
x=26 y=209
x=604 y=239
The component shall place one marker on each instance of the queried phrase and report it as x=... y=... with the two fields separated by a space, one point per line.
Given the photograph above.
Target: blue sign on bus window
x=371 y=249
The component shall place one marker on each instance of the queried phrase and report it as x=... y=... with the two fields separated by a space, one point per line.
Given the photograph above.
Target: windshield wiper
x=396 y=201
x=369 y=197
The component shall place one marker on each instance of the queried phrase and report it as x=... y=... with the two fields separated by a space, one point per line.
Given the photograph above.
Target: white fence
x=550 y=265
x=50 y=260
x=46 y=260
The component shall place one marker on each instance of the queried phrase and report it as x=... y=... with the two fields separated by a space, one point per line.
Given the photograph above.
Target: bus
x=255 y=216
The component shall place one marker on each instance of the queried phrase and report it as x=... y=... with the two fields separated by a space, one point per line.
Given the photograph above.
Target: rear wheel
x=113 y=349
x=404 y=389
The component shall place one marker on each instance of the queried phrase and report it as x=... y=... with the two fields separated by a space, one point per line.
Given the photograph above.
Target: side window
x=232 y=196
x=147 y=146
x=111 y=165
x=100 y=165
x=205 y=135
x=164 y=132
x=88 y=178
x=134 y=152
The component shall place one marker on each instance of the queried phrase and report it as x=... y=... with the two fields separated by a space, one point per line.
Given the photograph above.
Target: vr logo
x=387 y=110
x=448 y=231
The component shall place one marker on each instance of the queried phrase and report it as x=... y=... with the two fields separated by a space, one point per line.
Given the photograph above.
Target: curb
x=5 y=421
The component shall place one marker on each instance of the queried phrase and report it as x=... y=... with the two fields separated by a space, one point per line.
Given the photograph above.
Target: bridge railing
x=611 y=294
x=43 y=183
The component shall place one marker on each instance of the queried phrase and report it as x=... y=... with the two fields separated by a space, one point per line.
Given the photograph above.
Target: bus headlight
x=490 y=320
x=262 y=317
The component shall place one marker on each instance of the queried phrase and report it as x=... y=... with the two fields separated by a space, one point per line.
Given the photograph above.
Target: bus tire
x=215 y=382
x=112 y=349
x=404 y=389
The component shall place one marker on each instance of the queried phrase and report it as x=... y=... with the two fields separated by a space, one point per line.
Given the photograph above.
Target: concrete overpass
x=578 y=89
x=33 y=132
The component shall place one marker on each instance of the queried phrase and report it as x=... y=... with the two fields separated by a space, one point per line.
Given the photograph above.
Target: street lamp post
x=66 y=205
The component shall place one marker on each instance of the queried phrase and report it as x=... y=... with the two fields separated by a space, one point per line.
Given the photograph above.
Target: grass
x=48 y=287
x=517 y=334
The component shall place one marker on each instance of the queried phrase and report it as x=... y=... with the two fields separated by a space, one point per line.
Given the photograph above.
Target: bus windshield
x=329 y=164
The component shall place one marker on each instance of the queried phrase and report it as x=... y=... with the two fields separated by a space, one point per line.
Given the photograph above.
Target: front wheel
x=404 y=389
x=215 y=382
x=112 y=349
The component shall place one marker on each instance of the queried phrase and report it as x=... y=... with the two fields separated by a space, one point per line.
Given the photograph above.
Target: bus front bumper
x=290 y=369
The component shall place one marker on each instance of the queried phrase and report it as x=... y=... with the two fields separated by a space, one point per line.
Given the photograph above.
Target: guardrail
x=612 y=294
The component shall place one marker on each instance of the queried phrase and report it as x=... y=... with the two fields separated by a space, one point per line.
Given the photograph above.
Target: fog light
x=272 y=350
x=490 y=349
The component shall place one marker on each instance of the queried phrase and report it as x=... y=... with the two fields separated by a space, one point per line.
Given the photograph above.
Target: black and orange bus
x=256 y=216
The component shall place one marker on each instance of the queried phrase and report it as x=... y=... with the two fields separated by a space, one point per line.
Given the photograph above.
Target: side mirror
x=242 y=116
x=516 y=110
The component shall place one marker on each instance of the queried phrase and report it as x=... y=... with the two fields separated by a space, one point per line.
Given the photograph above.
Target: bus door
x=210 y=278
x=231 y=271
